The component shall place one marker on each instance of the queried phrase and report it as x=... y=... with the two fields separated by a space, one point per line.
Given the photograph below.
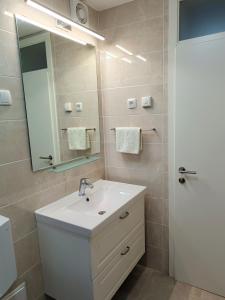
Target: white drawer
x=104 y=245
x=125 y=258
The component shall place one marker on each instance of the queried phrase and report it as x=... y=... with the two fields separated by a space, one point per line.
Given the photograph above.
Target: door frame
x=172 y=43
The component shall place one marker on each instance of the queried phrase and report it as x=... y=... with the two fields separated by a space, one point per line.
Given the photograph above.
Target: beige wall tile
x=114 y=101
x=155 y=213
x=134 y=11
x=149 y=158
x=9 y=60
x=165 y=238
x=17 y=110
x=27 y=252
x=17 y=181
x=153 y=258
x=165 y=218
x=21 y=213
x=7 y=23
x=58 y=5
x=117 y=73
x=154 y=235
x=34 y=282
x=13 y=141
x=139 y=37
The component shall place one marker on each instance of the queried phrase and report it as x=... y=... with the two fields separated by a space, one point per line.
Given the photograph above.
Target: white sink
x=78 y=215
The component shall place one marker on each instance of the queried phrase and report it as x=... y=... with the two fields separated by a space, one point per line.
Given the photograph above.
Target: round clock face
x=81 y=13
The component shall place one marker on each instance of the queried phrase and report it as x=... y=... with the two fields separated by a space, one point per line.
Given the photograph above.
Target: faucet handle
x=84 y=179
x=87 y=181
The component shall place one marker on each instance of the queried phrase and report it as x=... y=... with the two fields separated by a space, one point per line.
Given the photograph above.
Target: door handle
x=49 y=158
x=125 y=251
x=46 y=157
x=182 y=170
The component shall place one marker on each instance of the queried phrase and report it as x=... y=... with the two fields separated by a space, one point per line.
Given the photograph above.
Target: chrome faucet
x=84 y=183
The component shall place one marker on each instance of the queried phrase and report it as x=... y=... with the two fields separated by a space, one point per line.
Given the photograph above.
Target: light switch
x=79 y=107
x=132 y=103
x=5 y=97
x=68 y=106
x=146 y=101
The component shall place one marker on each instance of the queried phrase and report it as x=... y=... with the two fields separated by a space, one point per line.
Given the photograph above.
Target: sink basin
x=86 y=215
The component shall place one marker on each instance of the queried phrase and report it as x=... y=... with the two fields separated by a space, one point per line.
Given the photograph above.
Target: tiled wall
x=21 y=190
x=141 y=27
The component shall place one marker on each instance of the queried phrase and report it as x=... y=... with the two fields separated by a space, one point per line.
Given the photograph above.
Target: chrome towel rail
x=153 y=129
x=88 y=129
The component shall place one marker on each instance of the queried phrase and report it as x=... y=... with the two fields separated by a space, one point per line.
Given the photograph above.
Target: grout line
x=28 y=270
x=32 y=195
x=135 y=168
x=10 y=32
x=135 y=114
x=156 y=223
x=14 y=162
x=25 y=236
x=77 y=93
x=103 y=29
x=10 y=76
x=131 y=86
x=12 y=120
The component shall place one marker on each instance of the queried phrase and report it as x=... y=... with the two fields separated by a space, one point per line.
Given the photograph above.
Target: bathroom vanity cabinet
x=82 y=264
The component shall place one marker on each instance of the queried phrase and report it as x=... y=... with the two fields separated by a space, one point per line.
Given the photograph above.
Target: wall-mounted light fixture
x=56 y=15
x=35 y=23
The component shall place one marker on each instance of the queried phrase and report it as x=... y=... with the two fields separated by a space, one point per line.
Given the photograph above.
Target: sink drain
x=101 y=212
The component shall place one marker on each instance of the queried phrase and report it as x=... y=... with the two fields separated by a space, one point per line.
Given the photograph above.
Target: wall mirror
x=61 y=97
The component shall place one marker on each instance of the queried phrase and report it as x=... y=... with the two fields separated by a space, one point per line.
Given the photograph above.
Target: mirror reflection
x=60 y=88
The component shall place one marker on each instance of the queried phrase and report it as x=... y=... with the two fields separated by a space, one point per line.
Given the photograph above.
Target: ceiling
x=26 y=29
x=105 y=4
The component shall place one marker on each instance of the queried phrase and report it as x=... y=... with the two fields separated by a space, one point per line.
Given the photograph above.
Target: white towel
x=128 y=140
x=78 y=138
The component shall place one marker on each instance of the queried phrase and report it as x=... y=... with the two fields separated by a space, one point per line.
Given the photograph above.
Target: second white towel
x=128 y=140
x=78 y=138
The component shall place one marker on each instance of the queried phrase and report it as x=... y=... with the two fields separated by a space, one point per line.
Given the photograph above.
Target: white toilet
x=8 y=272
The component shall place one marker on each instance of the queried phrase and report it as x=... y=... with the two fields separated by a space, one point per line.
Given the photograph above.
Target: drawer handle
x=125 y=215
x=125 y=251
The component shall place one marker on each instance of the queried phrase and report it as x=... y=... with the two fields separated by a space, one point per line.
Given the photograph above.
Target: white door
x=199 y=218
x=41 y=107
x=37 y=91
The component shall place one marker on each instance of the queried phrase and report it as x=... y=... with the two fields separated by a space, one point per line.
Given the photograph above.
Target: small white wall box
x=146 y=101
x=132 y=103
x=79 y=106
x=5 y=97
x=68 y=106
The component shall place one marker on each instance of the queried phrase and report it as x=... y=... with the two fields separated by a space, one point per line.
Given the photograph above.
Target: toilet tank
x=8 y=272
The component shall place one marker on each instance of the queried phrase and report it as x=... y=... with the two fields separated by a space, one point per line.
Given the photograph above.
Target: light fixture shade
x=55 y=31
x=56 y=15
